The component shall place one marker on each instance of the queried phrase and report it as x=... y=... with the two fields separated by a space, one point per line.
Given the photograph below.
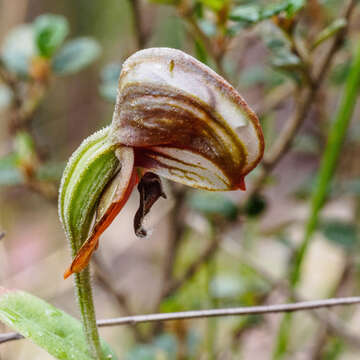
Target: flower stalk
x=87 y=309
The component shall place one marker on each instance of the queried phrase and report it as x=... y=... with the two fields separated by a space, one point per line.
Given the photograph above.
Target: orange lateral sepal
x=242 y=185
x=83 y=256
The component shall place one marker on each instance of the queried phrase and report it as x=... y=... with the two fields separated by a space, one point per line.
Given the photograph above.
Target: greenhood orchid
x=175 y=118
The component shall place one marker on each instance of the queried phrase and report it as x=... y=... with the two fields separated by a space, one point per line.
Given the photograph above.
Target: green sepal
x=89 y=170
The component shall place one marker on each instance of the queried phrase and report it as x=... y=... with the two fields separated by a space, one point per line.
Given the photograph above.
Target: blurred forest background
x=290 y=61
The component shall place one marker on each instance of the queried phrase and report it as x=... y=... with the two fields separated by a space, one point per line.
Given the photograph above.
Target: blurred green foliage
x=75 y=55
x=50 y=32
x=33 y=52
x=109 y=81
x=45 y=38
x=9 y=173
x=18 y=49
x=280 y=45
x=341 y=233
x=213 y=204
x=253 y=14
x=255 y=206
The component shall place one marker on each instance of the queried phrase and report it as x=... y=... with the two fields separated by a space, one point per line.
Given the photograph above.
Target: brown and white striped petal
x=185 y=122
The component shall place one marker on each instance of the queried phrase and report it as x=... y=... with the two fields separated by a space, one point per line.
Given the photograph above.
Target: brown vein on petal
x=161 y=115
x=152 y=153
x=151 y=158
x=189 y=64
x=192 y=132
x=157 y=163
x=135 y=90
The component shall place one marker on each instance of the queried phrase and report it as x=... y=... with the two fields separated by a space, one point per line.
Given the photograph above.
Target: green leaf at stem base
x=50 y=328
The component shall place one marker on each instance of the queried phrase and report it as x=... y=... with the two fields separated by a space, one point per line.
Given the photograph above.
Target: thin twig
x=201 y=314
x=11 y=336
x=239 y=311
x=11 y=82
x=274 y=99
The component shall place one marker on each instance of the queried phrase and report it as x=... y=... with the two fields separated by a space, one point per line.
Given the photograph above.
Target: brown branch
x=139 y=33
x=9 y=80
x=305 y=101
x=21 y=112
x=196 y=32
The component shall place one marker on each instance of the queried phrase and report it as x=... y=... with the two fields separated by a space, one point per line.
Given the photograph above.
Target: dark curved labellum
x=150 y=190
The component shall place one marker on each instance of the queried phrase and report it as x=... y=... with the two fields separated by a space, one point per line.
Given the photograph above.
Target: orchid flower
x=175 y=118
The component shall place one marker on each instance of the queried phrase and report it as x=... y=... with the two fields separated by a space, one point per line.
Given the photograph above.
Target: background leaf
x=340 y=233
x=109 y=81
x=255 y=205
x=213 y=204
x=50 y=32
x=164 y=347
x=340 y=72
x=50 y=328
x=25 y=149
x=76 y=55
x=18 y=49
x=253 y=14
x=50 y=171
x=246 y=13
x=201 y=53
x=9 y=172
x=5 y=96
x=215 y=5
x=226 y=286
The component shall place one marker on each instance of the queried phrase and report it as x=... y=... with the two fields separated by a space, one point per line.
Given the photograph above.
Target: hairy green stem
x=87 y=309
